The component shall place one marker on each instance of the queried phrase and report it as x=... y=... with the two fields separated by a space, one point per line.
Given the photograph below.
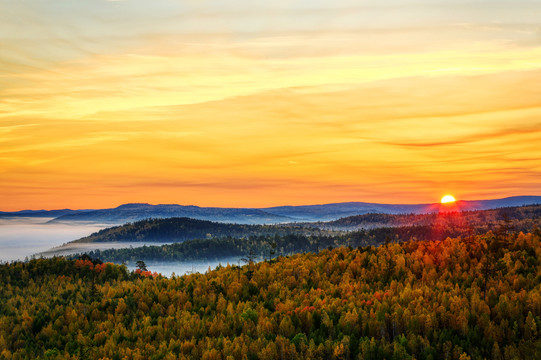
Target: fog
x=23 y=236
x=188 y=267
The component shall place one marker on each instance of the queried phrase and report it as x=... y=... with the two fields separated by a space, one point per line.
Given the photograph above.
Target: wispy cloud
x=220 y=103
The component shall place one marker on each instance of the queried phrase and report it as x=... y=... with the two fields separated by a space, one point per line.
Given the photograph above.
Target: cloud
x=510 y=132
x=261 y=102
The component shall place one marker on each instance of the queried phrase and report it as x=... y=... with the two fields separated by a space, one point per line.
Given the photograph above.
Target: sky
x=261 y=103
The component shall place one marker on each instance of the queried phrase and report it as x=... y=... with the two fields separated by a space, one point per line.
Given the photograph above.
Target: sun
x=448 y=199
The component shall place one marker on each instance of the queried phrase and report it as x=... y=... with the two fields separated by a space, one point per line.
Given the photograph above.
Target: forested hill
x=450 y=223
x=458 y=299
x=181 y=229
x=522 y=217
x=216 y=241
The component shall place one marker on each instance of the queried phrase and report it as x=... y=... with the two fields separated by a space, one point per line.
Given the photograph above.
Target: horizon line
x=268 y=207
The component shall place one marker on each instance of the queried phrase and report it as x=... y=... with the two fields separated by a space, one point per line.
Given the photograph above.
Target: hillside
x=181 y=229
x=473 y=298
x=216 y=241
x=287 y=240
x=464 y=219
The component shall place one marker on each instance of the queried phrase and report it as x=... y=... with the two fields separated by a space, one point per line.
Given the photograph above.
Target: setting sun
x=447 y=199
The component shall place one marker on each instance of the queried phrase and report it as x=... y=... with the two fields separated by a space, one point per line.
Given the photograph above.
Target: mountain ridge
x=140 y=211
x=268 y=215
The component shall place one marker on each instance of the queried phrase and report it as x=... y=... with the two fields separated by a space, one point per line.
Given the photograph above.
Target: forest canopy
x=474 y=297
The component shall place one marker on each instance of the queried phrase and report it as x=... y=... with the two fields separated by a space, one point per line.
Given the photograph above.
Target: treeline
x=472 y=298
x=181 y=229
x=448 y=223
x=265 y=247
x=262 y=247
x=521 y=218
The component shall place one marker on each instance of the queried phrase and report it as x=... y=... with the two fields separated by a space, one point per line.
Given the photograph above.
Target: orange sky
x=251 y=103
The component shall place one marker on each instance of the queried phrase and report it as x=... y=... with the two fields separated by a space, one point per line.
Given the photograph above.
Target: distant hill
x=522 y=217
x=134 y=212
x=499 y=203
x=40 y=213
x=272 y=215
x=328 y=212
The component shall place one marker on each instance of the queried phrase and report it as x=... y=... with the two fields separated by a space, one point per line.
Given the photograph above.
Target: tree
x=141 y=265
x=94 y=292
x=272 y=250
x=249 y=259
